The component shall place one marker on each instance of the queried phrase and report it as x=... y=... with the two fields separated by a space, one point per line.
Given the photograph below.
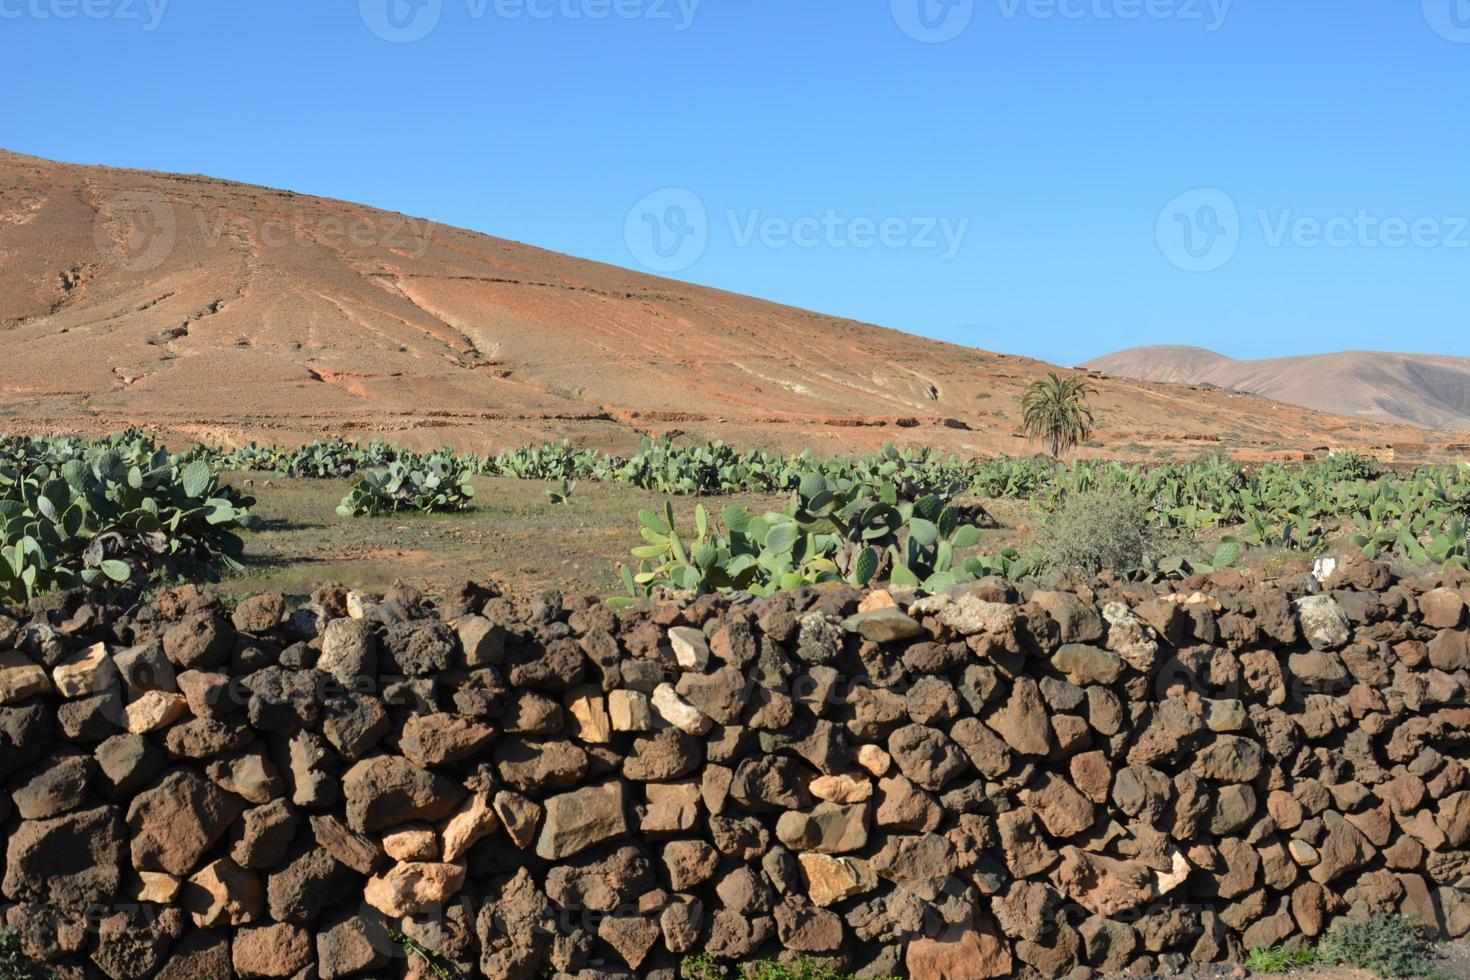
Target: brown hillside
x=1419 y=389
x=219 y=311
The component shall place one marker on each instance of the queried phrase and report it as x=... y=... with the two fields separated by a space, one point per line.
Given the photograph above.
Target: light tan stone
x=89 y=672
x=629 y=711
x=875 y=759
x=224 y=894
x=1304 y=854
x=877 y=599
x=482 y=641
x=831 y=879
x=842 y=789
x=475 y=821
x=158 y=888
x=672 y=808
x=155 y=710
x=590 y=719
x=20 y=678
x=519 y=815
x=412 y=842
x=410 y=887
x=691 y=651
x=680 y=713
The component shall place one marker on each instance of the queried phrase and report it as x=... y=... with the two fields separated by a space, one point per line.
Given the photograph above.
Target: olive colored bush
x=1101 y=530
x=1387 y=946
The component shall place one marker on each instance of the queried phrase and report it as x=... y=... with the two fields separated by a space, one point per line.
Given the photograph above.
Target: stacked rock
x=1061 y=781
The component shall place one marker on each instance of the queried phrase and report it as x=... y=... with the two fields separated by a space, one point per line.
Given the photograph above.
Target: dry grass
x=513 y=535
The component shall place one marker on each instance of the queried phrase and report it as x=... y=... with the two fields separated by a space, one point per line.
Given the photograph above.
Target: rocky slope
x=224 y=312
x=1417 y=389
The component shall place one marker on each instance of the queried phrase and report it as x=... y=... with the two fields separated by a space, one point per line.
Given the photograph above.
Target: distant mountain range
x=1427 y=390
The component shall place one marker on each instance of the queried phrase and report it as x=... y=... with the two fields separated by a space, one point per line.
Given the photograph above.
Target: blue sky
x=1058 y=178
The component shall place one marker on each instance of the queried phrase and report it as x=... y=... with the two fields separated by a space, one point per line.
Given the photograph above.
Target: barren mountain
x=218 y=311
x=1420 y=389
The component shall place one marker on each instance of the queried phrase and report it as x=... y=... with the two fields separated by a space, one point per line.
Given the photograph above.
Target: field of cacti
x=77 y=512
x=125 y=510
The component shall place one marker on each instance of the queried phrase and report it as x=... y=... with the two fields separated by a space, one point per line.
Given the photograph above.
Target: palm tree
x=1055 y=409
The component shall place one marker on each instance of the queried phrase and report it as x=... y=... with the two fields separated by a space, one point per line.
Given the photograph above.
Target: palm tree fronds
x=1055 y=410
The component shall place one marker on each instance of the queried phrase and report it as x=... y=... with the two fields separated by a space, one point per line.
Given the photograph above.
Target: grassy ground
x=515 y=536
x=512 y=535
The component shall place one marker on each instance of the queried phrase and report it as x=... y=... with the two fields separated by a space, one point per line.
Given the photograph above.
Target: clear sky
x=1059 y=178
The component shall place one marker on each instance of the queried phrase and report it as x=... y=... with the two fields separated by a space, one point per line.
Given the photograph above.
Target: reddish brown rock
x=1064 y=811
x=1092 y=774
x=441 y=740
x=385 y=791
x=176 y=822
x=72 y=860
x=271 y=951
x=1027 y=851
x=633 y=937
x=805 y=928
x=976 y=952
x=576 y=821
x=1453 y=819
x=1024 y=722
x=1344 y=849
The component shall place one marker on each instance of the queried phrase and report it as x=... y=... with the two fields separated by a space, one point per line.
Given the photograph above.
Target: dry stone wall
x=1066 y=782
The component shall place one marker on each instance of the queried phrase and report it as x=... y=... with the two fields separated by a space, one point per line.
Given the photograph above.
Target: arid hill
x=218 y=311
x=1420 y=389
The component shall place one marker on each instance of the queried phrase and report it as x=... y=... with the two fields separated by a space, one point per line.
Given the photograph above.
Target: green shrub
x=334 y=459
x=564 y=495
x=1279 y=959
x=705 y=967
x=1350 y=466
x=439 y=483
x=15 y=965
x=834 y=530
x=1388 y=946
x=551 y=461
x=82 y=512
x=430 y=962
x=1101 y=530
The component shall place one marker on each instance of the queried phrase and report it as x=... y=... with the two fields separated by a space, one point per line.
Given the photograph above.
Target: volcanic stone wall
x=1071 y=781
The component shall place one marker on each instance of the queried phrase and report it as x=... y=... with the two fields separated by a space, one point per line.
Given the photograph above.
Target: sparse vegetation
x=564 y=495
x=706 y=967
x=1270 y=509
x=1212 y=512
x=1421 y=515
x=1099 y=530
x=1054 y=410
x=428 y=484
x=433 y=963
x=1279 y=959
x=832 y=531
x=14 y=964
x=1389 y=946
